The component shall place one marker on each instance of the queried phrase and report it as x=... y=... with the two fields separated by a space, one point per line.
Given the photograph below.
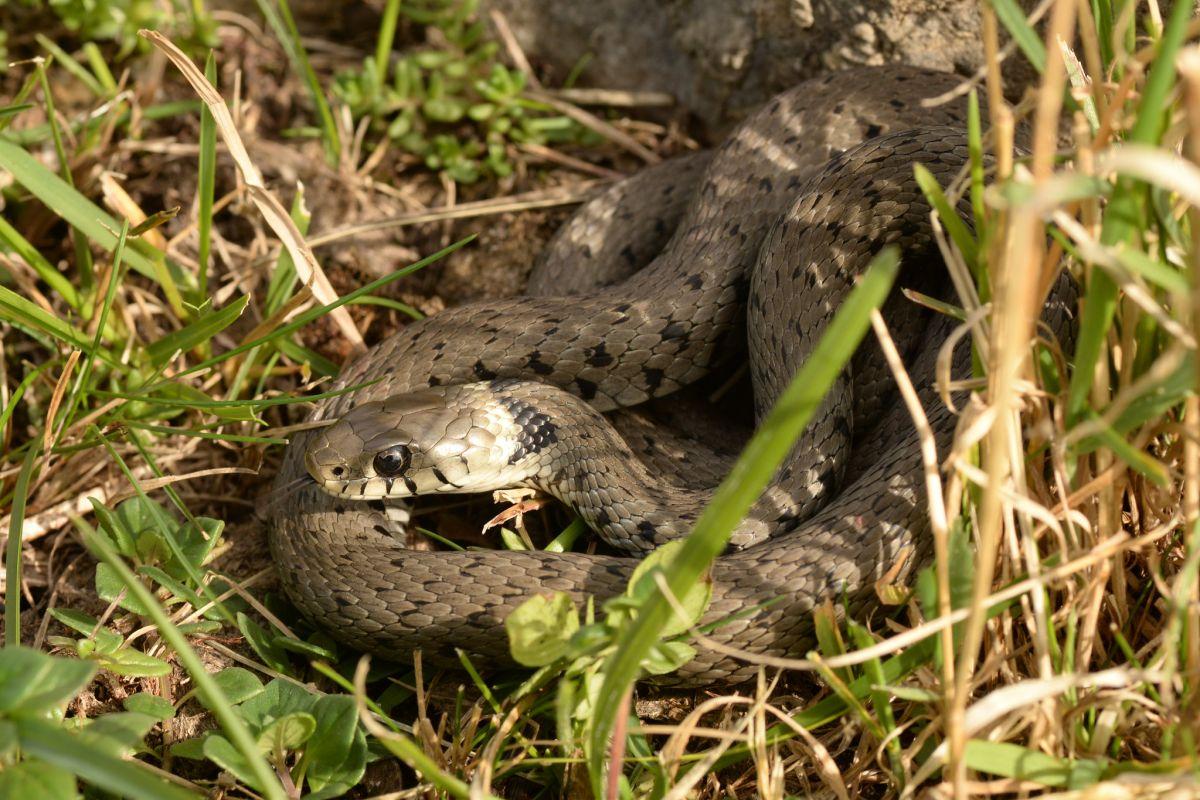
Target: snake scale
x=763 y=239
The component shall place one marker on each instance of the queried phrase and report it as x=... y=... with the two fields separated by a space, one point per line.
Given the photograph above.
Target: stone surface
x=720 y=58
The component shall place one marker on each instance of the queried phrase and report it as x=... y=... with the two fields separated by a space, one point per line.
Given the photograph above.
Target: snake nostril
x=337 y=472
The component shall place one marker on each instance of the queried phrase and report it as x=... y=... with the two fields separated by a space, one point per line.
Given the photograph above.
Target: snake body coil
x=778 y=225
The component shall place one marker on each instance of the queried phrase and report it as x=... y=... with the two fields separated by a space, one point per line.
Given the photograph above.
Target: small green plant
x=316 y=740
x=118 y=21
x=42 y=754
x=456 y=106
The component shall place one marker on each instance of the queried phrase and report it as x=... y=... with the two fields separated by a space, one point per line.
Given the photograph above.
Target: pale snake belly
x=780 y=222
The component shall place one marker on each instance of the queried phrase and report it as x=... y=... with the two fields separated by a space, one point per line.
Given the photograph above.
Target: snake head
x=439 y=440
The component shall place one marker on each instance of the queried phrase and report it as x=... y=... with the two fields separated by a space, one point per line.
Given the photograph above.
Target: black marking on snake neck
x=535 y=430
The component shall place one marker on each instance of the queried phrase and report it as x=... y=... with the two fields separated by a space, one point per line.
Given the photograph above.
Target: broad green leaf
x=134 y=663
x=263 y=644
x=8 y=739
x=121 y=732
x=151 y=705
x=32 y=682
x=218 y=750
x=540 y=629
x=109 y=587
x=666 y=657
x=106 y=640
x=278 y=699
x=337 y=753
x=38 y=779
x=237 y=684
x=84 y=755
x=286 y=733
x=305 y=648
x=694 y=600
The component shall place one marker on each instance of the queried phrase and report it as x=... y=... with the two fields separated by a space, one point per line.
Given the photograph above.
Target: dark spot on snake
x=371 y=503
x=552 y=331
x=439 y=345
x=839 y=108
x=873 y=130
x=603 y=517
x=587 y=389
x=381 y=530
x=622 y=308
x=896 y=103
x=660 y=227
x=389 y=483
x=629 y=256
x=389 y=370
x=674 y=330
x=482 y=372
x=766 y=185
x=441 y=476
x=337 y=471
x=843 y=428
x=535 y=429
x=410 y=484
x=734 y=228
x=646 y=529
x=793 y=183
x=654 y=377
x=362 y=489
x=791 y=139
x=598 y=356
x=535 y=363
x=586 y=251
x=374 y=505
x=694 y=281
x=435 y=380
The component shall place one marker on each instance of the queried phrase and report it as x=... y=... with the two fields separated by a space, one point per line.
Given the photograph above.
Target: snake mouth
x=363 y=488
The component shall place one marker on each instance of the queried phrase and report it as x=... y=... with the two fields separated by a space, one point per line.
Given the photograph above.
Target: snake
x=741 y=255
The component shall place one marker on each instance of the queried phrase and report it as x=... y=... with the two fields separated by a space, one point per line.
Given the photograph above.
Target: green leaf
x=37 y=779
x=32 y=682
x=109 y=587
x=134 y=664
x=197 y=332
x=263 y=644
x=8 y=739
x=121 y=732
x=287 y=733
x=218 y=750
x=337 y=753
x=237 y=684
x=1021 y=763
x=106 y=640
x=540 y=629
x=694 y=601
x=84 y=755
x=278 y=699
x=666 y=657
x=305 y=648
x=27 y=314
x=151 y=705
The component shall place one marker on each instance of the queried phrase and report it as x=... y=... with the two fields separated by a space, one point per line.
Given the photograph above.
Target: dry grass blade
x=273 y=212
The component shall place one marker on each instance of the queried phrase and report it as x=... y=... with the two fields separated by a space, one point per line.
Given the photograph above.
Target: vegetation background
x=201 y=210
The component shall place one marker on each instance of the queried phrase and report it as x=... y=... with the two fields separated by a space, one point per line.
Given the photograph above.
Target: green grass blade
x=81 y=213
x=1013 y=19
x=949 y=217
x=67 y=62
x=197 y=332
x=1123 y=213
x=38 y=263
x=12 y=558
x=1014 y=761
x=280 y=19
x=19 y=311
x=747 y=480
x=206 y=186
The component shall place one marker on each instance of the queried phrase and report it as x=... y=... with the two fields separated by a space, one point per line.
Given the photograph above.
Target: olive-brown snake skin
x=816 y=182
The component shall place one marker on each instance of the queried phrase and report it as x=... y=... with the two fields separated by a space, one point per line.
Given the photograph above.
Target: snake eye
x=391 y=462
